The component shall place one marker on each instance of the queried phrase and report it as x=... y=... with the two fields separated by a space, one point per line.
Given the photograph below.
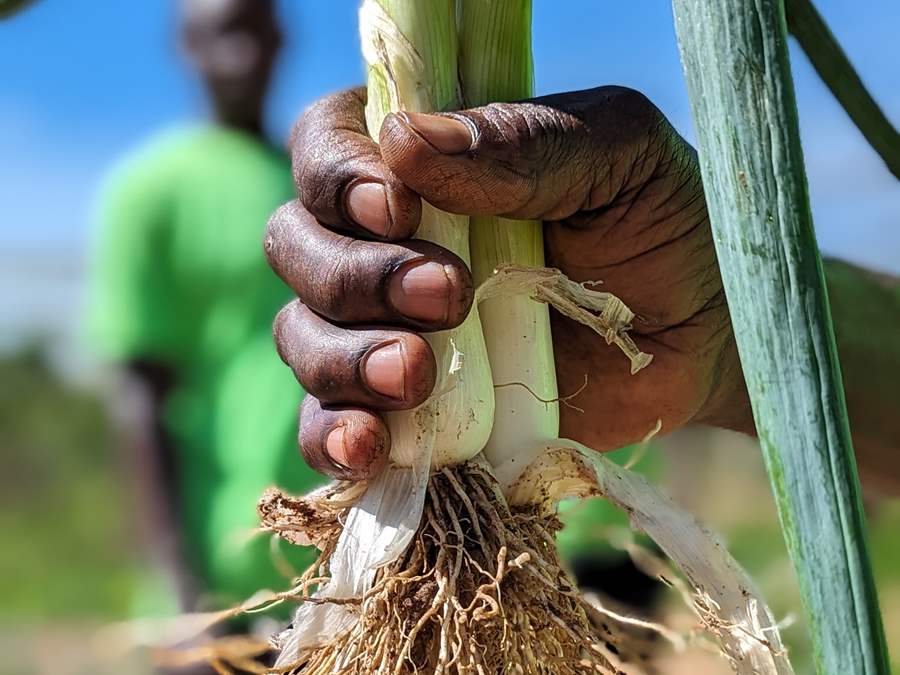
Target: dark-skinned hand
x=621 y=199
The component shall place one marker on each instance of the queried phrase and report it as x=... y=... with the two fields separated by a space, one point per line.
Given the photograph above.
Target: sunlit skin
x=621 y=198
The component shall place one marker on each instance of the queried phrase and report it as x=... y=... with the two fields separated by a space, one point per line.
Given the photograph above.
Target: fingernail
x=448 y=135
x=334 y=445
x=367 y=206
x=422 y=291
x=385 y=371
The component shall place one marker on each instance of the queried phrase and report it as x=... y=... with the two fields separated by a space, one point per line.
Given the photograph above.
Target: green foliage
x=63 y=524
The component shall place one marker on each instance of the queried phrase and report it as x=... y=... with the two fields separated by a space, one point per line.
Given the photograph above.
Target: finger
x=415 y=284
x=344 y=443
x=377 y=368
x=545 y=158
x=340 y=176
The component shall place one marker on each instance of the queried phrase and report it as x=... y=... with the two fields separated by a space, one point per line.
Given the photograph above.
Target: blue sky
x=84 y=82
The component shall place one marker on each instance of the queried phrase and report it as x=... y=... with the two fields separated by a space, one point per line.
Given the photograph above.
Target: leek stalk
x=738 y=74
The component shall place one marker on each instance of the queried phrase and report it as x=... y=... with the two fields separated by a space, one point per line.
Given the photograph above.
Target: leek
x=447 y=563
x=736 y=64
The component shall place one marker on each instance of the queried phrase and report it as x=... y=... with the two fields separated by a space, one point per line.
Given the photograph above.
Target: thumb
x=545 y=158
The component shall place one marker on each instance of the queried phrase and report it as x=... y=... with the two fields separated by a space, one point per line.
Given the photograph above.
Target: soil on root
x=480 y=590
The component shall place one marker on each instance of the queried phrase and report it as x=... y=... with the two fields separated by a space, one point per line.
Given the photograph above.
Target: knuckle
x=313 y=177
x=281 y=326
x=327 y=148
x=308 y=132
x=539 y=148
x=323 y=159
x=499 y=126
x=530 y=133
x=339 y=108
x=323 y=175
x=561 y=135
x=277 y=234
x=632 y=113
x=334 y=375
x=351 y=281
x=631 y=100
x=339 y=280
x=644 y=138
x=292 y=342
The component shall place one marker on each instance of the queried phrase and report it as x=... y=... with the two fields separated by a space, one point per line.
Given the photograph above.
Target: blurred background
x=84 y=84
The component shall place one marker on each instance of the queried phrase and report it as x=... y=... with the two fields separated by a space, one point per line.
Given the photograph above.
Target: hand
x=621 y=199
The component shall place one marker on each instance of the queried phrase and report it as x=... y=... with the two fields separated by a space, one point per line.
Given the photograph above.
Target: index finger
x=340 y=176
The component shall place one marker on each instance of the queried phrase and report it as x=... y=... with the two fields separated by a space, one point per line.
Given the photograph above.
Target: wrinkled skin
x=621 y=199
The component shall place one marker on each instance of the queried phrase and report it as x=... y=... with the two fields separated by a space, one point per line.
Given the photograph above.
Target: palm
x=651 y=246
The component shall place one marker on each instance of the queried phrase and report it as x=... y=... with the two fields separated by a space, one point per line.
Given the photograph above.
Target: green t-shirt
x=180 y=278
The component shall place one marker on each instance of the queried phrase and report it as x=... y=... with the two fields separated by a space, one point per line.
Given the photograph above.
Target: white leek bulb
x=399 y=45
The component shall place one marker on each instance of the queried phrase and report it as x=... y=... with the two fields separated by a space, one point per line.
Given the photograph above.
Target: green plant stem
x=495 y=62
x=495 y=65
x=839 y=75
x=738 y=74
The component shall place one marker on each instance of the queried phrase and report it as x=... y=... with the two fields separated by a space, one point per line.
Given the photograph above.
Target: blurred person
x=183 y=302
